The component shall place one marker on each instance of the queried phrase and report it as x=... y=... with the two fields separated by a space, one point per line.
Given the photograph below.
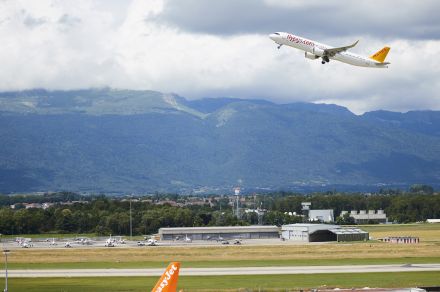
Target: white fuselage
x=315 y=48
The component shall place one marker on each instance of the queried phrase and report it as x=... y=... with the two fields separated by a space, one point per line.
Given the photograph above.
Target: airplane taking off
x=314 y=50
x=168 y=281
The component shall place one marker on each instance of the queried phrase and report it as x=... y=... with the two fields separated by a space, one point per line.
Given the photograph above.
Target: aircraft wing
x=333 y=51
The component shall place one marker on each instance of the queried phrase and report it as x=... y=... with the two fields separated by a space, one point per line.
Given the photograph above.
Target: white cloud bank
x=80 y=44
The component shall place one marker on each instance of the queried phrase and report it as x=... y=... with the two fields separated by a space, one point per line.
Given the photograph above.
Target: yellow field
x=229 y=253
x=426 y=232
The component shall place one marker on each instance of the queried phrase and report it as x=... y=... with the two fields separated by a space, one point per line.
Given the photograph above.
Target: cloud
x=34 y=22
x=69 y=20
x=390 y=19
x=220 y=48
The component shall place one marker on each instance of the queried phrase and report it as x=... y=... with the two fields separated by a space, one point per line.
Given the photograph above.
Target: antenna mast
x=237 y=202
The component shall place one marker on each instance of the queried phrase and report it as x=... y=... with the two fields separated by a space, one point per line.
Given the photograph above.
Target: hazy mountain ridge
x=427 y=122
x=94 y=101
x=125 y=141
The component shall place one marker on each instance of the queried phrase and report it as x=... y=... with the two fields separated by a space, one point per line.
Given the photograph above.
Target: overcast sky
x=201 y=48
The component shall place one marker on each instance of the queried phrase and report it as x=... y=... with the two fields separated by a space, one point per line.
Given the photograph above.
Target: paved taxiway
x=224 y=271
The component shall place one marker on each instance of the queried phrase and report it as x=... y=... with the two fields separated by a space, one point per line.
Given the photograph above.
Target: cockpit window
x=276 y=33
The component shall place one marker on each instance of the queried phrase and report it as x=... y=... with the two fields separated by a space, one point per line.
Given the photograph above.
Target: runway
x=223 y=271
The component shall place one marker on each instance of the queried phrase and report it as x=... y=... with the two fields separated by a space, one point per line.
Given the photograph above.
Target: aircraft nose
x=276 y=36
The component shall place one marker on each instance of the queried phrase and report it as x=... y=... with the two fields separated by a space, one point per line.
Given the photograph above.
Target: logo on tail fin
x=381 y=55
x=168 y=281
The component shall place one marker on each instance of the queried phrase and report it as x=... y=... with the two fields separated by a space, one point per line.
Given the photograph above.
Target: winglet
x=380 y=55
x=355 y=43
x=168 y=281
x=350 y=46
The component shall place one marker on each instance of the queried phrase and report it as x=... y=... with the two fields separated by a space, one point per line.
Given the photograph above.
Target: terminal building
x=220 y=233
x=321 y=233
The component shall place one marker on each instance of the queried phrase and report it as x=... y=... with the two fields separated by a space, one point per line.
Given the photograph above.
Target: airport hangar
x=322 y=232
x=293 y=232
x=223 y=232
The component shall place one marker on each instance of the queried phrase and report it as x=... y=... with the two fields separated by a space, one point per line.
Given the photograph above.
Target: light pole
x=131 y=224
x=5 y=252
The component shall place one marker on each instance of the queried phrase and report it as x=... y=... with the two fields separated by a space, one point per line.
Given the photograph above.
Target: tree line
x=104 y=215
x=400 y=208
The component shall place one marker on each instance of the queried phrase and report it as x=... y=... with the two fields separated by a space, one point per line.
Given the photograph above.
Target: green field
x=228 y=283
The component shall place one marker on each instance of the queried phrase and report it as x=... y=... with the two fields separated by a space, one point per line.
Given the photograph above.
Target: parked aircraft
x=314 y=50
x=168 y=281
x=119 y=240
x=187 y=239
x=24 y=242
x=19 y=240
x=83 y=240
x=217 y=238
x=151 y=242
x=237 y=241
x=110 y=242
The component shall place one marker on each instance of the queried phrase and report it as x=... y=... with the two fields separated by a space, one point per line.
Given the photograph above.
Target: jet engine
x=318 y=52
x=310 y=56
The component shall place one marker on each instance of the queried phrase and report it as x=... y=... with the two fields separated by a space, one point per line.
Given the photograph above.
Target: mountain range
x=123 y=141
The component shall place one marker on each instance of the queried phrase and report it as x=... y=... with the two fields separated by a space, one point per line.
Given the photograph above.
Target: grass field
x=228 y=283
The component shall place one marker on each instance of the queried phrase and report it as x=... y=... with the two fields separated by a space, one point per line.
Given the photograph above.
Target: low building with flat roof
x=433 y=220
x=401 y=239
x=364 y=217
x=220 y=232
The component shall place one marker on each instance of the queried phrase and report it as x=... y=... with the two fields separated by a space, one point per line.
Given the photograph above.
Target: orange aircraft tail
x=168 y=281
